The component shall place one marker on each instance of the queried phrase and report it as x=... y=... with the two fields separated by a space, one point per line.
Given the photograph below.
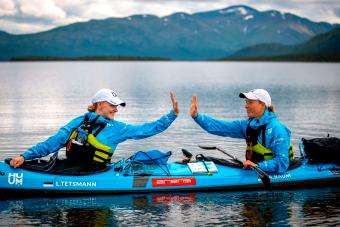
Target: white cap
x=109 y=96
x=258 y=94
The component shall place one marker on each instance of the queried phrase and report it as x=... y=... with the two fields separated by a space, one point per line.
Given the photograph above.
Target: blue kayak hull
x=181 y=178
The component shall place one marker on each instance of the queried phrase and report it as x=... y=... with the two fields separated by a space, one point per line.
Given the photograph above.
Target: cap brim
x=241 y=95
x=123 y=104
x=248 y=95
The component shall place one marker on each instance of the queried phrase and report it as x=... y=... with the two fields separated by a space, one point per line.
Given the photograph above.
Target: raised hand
x=174 y=103
x=194 y=106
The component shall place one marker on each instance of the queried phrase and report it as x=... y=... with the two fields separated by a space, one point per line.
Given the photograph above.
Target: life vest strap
x=93 y=148
x=260 y=150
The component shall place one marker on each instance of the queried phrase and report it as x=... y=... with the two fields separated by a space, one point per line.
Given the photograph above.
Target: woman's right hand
x=17 y=161
x=194 y=106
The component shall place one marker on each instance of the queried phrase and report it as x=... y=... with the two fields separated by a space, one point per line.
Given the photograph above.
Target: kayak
x=125 y=177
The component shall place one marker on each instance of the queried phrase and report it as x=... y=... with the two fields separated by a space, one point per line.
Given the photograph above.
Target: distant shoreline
x=89 y=58
x=302 y=58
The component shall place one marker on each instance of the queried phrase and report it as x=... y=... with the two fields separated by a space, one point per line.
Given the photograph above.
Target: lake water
x=36 y=98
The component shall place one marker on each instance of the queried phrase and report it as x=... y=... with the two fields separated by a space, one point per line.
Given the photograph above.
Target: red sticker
x=168 y=182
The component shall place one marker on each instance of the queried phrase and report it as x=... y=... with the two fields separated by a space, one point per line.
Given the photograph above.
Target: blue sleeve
x=234 y=129
x=53 y=143
x=149 y=129
x=279 y=144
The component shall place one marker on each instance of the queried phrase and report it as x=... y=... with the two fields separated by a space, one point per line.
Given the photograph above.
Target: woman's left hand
x=174 y=103
x=248 y=164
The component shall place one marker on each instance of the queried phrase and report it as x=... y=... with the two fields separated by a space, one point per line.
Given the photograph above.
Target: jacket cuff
x=198 y=117
x=263 y=165
x=25 y=155
x=172 y=115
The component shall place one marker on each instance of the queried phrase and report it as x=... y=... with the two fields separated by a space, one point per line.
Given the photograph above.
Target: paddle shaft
x=231 y=156
x=263 y=176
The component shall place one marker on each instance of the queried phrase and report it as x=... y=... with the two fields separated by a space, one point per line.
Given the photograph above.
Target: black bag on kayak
x=322 y=150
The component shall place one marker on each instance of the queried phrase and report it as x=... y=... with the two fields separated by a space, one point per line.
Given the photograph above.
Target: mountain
x=325 y=46
x=180 y=36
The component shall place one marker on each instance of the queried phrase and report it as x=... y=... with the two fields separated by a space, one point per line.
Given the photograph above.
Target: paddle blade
x=205 y=147
x=186 y=153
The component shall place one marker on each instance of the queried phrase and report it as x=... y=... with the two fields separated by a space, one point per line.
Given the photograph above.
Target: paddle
x=263 y=176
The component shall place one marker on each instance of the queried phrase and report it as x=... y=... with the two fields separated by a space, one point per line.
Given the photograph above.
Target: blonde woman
x=91 y=139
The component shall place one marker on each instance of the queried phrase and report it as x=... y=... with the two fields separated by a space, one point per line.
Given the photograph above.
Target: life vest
x=257 y=152
x=90 y=151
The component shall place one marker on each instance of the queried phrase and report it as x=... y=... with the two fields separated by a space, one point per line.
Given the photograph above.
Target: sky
x=30 y=16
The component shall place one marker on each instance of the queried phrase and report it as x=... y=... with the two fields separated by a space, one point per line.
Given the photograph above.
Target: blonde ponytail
x=271 y=108
x=92 y=107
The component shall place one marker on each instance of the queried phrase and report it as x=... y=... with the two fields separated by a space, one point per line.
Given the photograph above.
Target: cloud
x=337 y=12
x=7 y=8
x=17 y=16
x=45 y=9
x=22 y=27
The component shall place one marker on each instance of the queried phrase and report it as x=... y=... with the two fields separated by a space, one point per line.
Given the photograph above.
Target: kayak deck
x=177 y=177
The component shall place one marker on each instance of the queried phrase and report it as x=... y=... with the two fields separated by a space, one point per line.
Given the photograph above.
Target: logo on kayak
x=173 y=182
x=16 y=178
x=278 y=176
x=335 y=171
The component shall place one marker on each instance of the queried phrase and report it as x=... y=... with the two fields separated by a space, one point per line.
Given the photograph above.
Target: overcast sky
x=28 y=16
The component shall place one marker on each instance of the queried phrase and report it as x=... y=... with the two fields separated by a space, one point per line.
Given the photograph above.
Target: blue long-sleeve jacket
x=277 y=136
x=114 y=133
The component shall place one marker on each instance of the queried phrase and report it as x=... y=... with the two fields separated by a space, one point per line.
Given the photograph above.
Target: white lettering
x=75 y=184
x=282 y=176
x=16 y=178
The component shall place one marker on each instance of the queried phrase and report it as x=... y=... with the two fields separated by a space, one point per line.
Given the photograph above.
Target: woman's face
x=106 y=109
x=254 y=108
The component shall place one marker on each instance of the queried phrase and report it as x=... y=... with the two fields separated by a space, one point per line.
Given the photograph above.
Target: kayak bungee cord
x=263 y=176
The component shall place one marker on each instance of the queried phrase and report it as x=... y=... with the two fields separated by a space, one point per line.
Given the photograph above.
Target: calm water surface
x=38 y=98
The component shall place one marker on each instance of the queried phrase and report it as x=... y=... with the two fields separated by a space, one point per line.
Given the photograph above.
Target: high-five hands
x=194 y=106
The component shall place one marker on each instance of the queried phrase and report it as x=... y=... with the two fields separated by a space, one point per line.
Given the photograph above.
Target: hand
x=17 y=161
x=174 y=103
x=248 y=164
x=194 y=106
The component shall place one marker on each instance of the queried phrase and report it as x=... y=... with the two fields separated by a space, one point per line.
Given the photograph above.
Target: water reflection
x=257 y=208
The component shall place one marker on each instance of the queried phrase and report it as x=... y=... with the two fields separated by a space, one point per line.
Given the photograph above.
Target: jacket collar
x=264 y=119
x=92 y=115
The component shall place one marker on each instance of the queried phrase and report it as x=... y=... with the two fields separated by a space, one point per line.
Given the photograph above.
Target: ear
x=99 y=105
x=263 y=106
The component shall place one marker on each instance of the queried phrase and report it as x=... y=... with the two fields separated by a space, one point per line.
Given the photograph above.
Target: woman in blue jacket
x=268 y=140
x=91 y=139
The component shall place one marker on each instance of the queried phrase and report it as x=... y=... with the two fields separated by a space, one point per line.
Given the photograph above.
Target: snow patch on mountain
x=239 y=10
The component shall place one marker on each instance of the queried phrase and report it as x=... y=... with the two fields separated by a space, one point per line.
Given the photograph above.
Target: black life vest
x=257 y=152
x=91 y=151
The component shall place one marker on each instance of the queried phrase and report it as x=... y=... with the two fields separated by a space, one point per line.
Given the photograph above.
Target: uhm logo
x=16 y=178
